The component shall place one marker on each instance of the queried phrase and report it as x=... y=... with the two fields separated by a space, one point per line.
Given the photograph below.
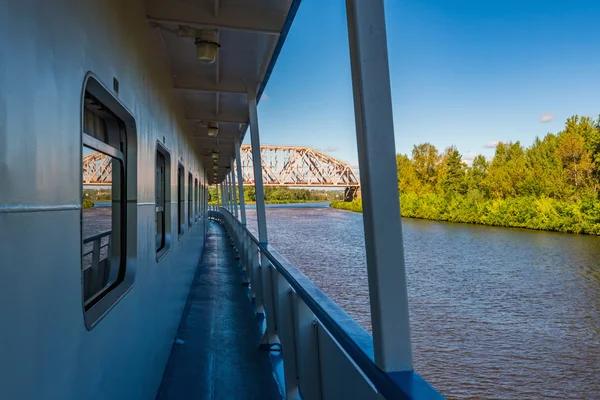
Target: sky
x=465 y=73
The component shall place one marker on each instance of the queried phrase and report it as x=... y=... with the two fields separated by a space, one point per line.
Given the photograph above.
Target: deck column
x=240 y=179
x=270 y=335
x=257 y=165
x=222 y=194
x=228 y=192
x=234 y=191
x=379 y=184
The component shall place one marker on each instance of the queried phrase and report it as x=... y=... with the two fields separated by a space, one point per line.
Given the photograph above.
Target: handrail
x=353 y=338
x=98 y=235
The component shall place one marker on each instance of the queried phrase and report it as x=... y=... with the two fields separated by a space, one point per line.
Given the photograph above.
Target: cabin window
x=106 y=129
x=196 y=200
x=190 y=199
x=163 y=200
x=180 y=200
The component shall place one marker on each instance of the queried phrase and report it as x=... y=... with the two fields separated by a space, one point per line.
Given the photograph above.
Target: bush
x=87 y=204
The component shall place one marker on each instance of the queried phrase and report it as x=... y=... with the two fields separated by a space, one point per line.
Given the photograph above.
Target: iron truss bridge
x=97 y=169
x=294 y=166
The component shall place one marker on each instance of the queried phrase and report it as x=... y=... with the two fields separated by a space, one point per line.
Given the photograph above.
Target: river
x=496 y=313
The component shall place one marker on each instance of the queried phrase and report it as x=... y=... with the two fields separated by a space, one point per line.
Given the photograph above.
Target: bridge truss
x=298 y=167
x=97 y=169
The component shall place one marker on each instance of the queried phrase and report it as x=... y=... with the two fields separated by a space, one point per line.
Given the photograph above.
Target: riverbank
x=214 y=203
x=527 y=212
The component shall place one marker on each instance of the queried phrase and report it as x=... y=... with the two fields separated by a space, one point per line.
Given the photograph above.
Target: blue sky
x=467 y=73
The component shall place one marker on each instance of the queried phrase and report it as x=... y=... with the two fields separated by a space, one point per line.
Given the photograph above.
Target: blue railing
x=326 y=353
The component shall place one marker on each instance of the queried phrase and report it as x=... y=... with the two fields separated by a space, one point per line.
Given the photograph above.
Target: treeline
x=282 y=195
x=551 y=185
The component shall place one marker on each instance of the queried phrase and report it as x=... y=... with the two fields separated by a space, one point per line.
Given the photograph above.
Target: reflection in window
x=101 y=221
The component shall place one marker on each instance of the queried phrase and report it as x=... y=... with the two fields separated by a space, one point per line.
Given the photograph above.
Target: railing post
x=377 y=163
x=307 y=345
x=240 y=177
x=256 y=282
x=285 y=322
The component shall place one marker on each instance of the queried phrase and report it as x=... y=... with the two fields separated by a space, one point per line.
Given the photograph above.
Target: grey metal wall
x=46 y=49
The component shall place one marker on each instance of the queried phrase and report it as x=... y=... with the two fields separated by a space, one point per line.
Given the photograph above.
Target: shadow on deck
x=219 y=358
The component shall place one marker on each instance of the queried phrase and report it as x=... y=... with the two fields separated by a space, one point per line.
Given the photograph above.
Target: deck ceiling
x=216 y=94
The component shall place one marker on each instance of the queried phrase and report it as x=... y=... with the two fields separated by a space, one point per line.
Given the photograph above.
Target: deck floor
x=219 y=358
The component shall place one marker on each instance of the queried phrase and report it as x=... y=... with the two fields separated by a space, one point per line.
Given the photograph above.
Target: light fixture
x=212 y=130
x=215 y=155
x=206 y=45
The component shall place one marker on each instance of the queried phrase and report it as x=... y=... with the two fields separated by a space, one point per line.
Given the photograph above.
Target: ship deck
x=216 y=355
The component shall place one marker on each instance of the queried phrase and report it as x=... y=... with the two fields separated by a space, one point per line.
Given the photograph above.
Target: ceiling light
x=206 y=45
x=213 y=131
x=215 y=155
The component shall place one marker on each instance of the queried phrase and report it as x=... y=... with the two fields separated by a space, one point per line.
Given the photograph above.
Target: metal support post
x=233 y=188
x=222 y=195
x=240 y=177
x=227 y=194
x=270 y=335
x=257 y=165
x=379 y=185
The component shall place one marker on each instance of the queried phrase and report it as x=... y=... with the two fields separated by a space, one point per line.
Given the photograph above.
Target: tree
x=426 y=159
x=453 y=178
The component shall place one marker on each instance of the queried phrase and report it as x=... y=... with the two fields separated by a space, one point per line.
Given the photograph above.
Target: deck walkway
x=219 y=358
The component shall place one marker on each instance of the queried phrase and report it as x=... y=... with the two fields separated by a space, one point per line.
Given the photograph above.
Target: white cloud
x=331 y=149
x=265 y=96
x=492 y=145
x=544 y=118
x=469 y=157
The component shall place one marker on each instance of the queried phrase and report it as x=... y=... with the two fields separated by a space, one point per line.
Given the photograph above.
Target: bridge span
x=291 y=166
x=296 y=166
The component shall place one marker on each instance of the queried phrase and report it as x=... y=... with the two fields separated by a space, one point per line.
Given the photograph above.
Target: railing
x=96 y=270
x=97 y=247
x=326 y=354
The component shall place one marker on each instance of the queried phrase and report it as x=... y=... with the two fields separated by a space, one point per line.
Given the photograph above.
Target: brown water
x=496 y=313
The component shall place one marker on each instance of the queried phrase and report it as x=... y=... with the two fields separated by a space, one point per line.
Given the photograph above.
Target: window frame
x=167 y=234
x=190 y=199
x=196 y=201
x=180 y=200
x=101 y=303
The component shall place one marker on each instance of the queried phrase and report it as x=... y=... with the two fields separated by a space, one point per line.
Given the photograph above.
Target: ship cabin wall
x=47 y=350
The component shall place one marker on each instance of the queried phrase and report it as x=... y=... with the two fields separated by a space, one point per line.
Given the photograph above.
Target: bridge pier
x=351 y=193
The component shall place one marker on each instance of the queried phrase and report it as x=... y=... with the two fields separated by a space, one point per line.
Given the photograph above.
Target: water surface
x=496 y=313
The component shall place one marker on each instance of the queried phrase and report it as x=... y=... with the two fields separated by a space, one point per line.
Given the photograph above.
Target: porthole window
x=163 y=200
x=107 y=167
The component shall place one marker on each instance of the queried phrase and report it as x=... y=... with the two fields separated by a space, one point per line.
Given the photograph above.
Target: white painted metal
x=341 y=378
x=46 y=350
x=307 y=348
x=285 y=298
x=235 y=200
x=238 y=165
x=258 y=184
x=377 y=162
